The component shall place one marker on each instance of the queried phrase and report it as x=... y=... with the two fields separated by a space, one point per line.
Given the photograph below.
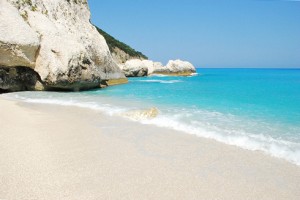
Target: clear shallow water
x=256 y=109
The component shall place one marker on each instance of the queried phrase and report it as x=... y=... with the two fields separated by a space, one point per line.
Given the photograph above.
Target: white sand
x=55 y=152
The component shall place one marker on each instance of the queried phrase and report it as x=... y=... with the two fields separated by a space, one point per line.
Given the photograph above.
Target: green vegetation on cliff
x=113 y=43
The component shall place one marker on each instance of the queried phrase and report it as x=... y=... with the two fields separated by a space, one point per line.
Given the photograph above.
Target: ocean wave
x=161 y=81
x=104 y=107
x=194 y=74
x=223 y=128
x=279 y=148
x=158 y=75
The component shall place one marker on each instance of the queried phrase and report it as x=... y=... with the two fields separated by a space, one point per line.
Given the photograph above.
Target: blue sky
x=208 y=33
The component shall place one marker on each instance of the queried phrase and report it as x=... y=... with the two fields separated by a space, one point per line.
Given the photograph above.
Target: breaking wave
x=224 y=128
x=161 y=81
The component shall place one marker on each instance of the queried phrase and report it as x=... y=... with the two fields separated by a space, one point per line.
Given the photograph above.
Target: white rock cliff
x=137 y=67
x=176 y=67
x=18 y=42
x=56 y=39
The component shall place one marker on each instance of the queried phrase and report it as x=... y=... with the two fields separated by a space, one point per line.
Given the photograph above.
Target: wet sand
x=56 y=152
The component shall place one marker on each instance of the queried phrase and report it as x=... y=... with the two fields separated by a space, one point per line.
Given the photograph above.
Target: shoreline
x=57 y=152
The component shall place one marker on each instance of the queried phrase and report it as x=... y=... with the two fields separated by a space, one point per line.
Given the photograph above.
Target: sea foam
x=275 y=147
x=161 y=81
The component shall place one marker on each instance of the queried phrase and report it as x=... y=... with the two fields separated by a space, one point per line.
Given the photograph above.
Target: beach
x=65 y=152
x=201 y=102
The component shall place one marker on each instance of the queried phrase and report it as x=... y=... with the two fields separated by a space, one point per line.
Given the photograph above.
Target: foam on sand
x=275 y=147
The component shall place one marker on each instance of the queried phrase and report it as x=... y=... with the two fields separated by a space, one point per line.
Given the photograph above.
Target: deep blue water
x=256 y=109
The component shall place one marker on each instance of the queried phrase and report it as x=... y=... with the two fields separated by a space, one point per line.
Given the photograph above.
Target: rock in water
x=176 y=67
x=137 y=67
x=142 y=114
x=19 y=78
x=56 y=39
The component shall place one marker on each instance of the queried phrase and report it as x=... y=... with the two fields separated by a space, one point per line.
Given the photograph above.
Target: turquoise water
x=256 y=109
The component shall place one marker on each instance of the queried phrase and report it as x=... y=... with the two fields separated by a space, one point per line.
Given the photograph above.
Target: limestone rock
x=154 y=66
x=120 y=56
x=18 y=42
x=72 y=55
x=135 y=68
x=14 y=79
x=120 y=51
x=180 y=66
x=176 y=67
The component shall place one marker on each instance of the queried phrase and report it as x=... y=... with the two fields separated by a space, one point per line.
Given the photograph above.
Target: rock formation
x=177 y=68
x=51 y=45
x=56 y=42
x=137 y=68
x=19 y=79
x=134 y=68
x=18 y=41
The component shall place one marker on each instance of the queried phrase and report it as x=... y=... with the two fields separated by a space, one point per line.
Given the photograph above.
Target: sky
x=208 y=33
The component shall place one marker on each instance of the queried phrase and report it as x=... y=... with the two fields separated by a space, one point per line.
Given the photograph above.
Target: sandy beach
x=56 y=152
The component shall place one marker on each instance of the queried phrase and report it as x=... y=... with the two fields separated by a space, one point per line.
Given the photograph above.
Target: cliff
x=51 y=45
x=135 y=64
x=120 y=51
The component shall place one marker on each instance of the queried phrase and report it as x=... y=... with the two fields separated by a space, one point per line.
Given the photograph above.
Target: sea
x=254 y=109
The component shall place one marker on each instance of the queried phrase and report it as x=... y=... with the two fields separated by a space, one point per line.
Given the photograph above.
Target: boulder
x=152 y=66
x=176 y=67
x=135 y=68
